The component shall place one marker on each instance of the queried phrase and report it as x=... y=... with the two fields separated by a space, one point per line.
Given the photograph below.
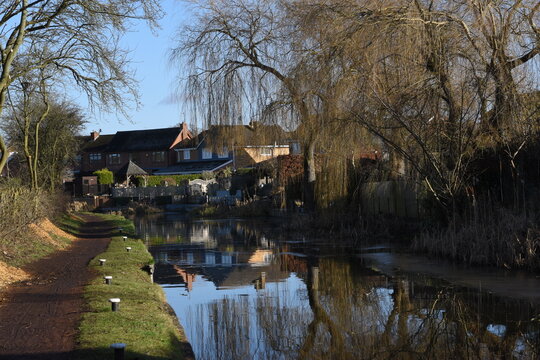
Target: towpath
x=39 y=317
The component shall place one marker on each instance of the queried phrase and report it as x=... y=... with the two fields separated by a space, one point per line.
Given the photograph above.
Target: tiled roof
x=192 y=143
x=131 y=169
x=143 y=140
x=239 y=135
x=98 y=145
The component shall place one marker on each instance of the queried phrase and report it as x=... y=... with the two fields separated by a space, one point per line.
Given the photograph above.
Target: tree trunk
x=309 y=176
x=36 y=138
x=5 y=79
x=4 y=154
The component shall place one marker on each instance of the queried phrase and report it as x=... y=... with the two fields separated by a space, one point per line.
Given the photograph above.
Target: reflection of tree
x=358 y=316
x=344 y=313
x=400 y=310
x=321 y=317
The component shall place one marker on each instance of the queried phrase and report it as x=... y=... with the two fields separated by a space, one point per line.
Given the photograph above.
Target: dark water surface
x=244 y=289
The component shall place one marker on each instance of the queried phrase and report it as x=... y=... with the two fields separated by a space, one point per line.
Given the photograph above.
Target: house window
x=114 y=159
x=158 y=156
x=206 y=153
x=295 y=148
x=266 y=151
x=187 y=154
x=95 y=157
x=224 y=153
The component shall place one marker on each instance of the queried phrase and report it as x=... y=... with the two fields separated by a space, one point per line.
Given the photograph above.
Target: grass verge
x=144 y=321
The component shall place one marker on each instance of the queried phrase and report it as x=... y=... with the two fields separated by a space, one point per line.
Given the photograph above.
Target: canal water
x=245 y=289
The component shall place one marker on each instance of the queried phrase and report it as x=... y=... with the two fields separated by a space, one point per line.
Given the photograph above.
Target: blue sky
x=156 y=77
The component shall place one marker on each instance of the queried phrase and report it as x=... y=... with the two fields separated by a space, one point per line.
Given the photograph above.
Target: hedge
x=157 y=180
x=105 y=176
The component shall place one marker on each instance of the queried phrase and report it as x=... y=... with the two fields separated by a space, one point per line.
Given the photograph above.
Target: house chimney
x=185 y=133
x=94 y=134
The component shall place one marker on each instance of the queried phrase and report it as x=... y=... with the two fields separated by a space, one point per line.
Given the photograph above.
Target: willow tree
x=251 y=59
x=440 y=80
x=505 y=38
x=78 y=38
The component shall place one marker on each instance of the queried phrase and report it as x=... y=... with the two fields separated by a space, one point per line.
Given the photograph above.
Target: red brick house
x=92 y=157
x=150 y=149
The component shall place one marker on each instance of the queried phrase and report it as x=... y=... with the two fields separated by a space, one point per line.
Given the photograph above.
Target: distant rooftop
x=144 y=140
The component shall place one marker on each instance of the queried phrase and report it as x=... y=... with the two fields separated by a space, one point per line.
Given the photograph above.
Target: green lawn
x=143 y=321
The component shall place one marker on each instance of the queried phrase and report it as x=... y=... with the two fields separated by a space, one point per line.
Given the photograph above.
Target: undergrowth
x=501 y=238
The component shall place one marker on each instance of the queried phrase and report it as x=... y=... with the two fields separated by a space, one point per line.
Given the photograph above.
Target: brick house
x=91 y=156
x=174 y=151
x=224 y=146
x=150 y=149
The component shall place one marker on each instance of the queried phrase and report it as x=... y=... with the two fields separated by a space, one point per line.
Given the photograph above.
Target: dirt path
x=39 y=317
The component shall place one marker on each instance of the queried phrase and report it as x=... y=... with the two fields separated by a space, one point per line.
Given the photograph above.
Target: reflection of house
x=186 y=275
x=261 y=257
x=180 y=263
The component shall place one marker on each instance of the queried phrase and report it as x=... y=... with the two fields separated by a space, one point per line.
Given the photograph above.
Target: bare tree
x=78 y=38
x=45 y=130
x=423 y=75
x=23 y=121
x=249 y=59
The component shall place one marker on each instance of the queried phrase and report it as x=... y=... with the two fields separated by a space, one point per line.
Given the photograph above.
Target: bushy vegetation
x=20 y=207
x=105 y=176
x=504 y=238
x=245 y=171
x=207 y=175
x=247 y=209
x=170 y=179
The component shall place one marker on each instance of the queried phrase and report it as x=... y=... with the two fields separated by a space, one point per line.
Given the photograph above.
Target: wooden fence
x=398 y=198
x=148 y=192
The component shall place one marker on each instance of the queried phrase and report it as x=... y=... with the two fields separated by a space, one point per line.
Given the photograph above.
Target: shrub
x=20 y=207
x=168 y=181
x=245 y=171
x=499 y=237
x=207 y=175
x=105 y=176
x=157 y=180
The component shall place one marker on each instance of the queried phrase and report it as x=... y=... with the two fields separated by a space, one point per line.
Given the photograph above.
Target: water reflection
x=242 y=294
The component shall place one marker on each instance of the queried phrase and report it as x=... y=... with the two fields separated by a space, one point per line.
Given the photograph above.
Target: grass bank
x=26 y=234
x=144 y=321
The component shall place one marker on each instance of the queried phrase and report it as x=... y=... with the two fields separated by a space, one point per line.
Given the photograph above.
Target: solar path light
x=115 y=303
x=119 y=350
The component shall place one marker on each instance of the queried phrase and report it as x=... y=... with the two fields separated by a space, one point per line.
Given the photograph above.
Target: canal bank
x=140 y=317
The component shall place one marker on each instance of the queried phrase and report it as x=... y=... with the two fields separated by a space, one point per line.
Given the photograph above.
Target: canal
x=245 y=289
